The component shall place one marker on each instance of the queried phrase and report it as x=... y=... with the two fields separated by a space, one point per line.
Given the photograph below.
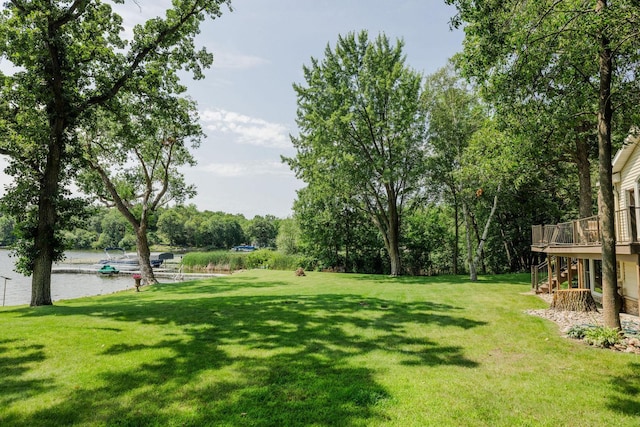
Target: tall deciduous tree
x=171 y=225
x=589 y=50
x=490 y=162
x=133 y=154
x=362 y=121
x=70 y=61
x=454 y=115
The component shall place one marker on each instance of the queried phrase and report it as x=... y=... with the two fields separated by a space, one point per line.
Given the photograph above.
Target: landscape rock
x=567 y=319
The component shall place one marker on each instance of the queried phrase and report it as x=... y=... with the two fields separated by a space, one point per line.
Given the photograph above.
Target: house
x=573 y=251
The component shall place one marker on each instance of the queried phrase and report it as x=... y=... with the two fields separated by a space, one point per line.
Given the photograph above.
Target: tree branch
x=142 y=55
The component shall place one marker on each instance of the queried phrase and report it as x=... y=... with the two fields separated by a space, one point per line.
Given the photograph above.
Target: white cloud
x=236 y=61
x=258 y=168
x=247 y=130
x=136 y=14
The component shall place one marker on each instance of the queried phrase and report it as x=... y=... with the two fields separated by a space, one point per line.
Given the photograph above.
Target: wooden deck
x=582 y=236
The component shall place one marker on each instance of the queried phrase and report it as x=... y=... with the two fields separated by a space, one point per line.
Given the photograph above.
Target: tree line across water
x=176 y=227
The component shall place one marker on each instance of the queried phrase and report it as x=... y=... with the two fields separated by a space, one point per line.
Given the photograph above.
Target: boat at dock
x=129 y=262
x=123 y=262
x=108 y=270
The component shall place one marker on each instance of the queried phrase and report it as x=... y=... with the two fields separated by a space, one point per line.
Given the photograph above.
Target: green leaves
x=73 y=68
x=362 y=123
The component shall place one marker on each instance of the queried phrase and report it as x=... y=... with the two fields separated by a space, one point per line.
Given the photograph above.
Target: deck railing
x=539 y=275
x=586 y=231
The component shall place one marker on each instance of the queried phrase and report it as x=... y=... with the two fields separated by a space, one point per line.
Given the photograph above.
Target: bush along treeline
x=314 y=240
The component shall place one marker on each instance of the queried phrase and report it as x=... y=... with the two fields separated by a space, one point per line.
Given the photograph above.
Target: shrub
x=308 y=263
x=272 y=260
x=259 y=258
x=602 y=336
x=577 y=331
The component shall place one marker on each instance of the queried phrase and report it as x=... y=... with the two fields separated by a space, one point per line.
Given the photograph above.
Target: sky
x=246 y=101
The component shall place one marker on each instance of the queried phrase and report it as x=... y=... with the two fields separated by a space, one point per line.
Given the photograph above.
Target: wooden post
x=580 y=273
x=569 y=273
x=550 y=275
x=558 y=266
x=633 y=225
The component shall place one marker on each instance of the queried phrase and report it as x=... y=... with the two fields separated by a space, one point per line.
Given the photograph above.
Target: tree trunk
x=456 y=219
x=474 y=259
x=144 y=255
x=507 y=250
x=58 y=112
x=346 y=258
x=478 y=240
x=394 y=259
x=41 y=279
x=44 y=240
x=574 y=300
x=394 y=239
x=473 y=274
x=606 y=204
x=387 y=220
x=584 y=177
x=347 y=240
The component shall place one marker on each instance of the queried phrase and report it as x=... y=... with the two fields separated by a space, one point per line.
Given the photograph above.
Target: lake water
x=63 y=286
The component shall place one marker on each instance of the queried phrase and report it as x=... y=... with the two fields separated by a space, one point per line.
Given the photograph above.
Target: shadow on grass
x=627 y=397
x=15 y=365
x=506 y=279
x=220 y=286
x=406 y=280
x=259 y=360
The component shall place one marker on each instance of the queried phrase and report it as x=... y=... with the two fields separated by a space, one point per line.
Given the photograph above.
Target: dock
x=160 y=273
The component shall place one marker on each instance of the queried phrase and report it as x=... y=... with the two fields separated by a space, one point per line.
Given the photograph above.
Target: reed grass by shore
x=228 y=261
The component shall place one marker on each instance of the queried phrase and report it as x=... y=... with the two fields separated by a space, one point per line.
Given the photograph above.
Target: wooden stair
x=558 y=279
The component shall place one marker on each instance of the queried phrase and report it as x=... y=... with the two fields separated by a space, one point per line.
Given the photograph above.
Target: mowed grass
x=267 y=348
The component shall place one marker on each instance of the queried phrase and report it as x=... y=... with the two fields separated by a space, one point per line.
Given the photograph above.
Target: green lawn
x=265 y=348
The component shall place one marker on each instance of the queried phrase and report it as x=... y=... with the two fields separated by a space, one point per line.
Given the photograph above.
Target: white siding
x=629 y=177
x=630 y=280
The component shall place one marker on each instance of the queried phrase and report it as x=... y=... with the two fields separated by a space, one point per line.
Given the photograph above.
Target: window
x=593 y=275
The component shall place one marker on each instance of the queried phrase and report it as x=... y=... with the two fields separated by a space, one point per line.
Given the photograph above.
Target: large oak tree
x=70 y=60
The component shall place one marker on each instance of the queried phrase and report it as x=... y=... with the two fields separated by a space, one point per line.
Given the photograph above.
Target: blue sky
x=247 y=103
